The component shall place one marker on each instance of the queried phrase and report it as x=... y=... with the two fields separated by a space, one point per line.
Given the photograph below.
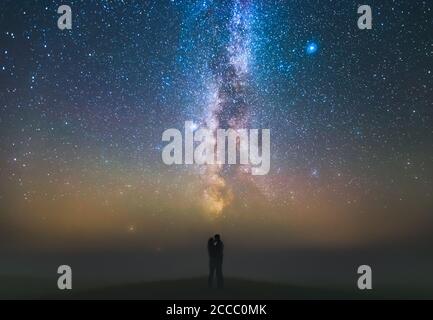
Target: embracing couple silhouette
x=215 y=248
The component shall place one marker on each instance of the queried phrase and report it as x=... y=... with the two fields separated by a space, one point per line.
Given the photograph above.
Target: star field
x=82 y=112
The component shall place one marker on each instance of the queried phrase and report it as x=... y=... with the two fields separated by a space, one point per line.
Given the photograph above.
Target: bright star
x=193 y=126
x=312 y=48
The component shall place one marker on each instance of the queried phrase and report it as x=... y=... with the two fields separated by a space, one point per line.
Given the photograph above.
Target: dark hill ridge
x=196 y=288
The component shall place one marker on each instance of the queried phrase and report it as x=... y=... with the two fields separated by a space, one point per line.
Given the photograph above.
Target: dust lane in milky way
x=228 y=104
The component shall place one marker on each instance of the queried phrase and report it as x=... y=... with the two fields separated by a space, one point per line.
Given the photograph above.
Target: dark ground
x=196 y=288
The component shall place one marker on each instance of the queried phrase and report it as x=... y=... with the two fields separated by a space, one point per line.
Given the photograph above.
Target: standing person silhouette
x=219 y=250
x=212 y=260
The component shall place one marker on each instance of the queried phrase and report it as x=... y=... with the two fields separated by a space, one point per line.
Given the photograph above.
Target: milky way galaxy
x=228 y=107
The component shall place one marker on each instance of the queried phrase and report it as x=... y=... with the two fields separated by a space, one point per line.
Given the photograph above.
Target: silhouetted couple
x=215 y=248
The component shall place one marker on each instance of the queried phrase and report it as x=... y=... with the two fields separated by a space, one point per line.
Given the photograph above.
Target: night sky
x=82 y=113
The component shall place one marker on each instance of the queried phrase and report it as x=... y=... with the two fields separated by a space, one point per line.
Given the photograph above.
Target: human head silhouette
x=217 y=237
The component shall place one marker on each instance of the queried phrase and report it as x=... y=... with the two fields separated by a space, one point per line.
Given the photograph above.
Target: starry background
x=82 y=112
